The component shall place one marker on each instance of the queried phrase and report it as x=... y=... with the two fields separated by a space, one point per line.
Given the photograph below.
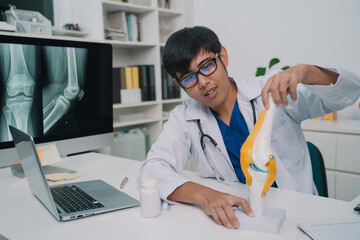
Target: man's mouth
x=210 y=91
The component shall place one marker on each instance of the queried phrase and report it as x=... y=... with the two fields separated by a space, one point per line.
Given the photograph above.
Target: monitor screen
x=56 y=91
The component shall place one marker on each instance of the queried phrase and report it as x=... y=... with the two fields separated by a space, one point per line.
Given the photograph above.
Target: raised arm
x=285 y=82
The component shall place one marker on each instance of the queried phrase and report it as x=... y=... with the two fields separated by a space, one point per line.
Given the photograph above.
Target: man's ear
x=224 y=56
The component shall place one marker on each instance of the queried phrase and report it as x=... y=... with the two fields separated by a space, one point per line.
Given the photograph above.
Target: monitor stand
x=18 y=171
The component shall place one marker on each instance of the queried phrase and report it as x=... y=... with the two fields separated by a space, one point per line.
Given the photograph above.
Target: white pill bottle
x=149 y=198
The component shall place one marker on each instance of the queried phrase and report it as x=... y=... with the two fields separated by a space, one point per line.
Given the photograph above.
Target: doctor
x=212 y=125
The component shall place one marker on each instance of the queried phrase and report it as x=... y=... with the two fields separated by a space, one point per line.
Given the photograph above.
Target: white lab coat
x=180 y=138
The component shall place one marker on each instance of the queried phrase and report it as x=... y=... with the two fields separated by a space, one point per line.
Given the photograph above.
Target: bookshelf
x=155 y=24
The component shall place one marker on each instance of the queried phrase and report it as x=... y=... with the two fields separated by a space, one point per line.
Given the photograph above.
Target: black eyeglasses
x=206 y=69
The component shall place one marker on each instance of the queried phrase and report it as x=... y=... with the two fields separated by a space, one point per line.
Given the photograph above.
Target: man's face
x=211 y=90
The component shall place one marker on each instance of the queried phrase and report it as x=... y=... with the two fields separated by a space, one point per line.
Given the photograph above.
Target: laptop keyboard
x=73 y=199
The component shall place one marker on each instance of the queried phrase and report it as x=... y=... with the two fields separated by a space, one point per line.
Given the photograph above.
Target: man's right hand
x=216 y=204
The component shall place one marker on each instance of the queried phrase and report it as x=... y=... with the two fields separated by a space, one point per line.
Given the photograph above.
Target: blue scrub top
x=234 y=137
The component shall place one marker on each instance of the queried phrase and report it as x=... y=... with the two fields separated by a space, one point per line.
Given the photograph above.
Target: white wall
x=62 y=13
x=322 y=32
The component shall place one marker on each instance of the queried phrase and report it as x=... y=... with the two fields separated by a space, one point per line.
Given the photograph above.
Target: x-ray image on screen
x=19 y=94
x=64 y=82
x=39 y=86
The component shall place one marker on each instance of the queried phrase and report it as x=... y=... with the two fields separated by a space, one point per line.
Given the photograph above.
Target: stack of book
x=134 y=77
x=116 y=26
x=116 y=34
x=122 y=26
x=169 y=89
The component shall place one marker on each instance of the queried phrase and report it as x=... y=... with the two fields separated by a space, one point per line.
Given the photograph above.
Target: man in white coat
x=225 y=109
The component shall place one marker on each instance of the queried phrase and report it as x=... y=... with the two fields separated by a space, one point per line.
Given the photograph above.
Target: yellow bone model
x=257 y=160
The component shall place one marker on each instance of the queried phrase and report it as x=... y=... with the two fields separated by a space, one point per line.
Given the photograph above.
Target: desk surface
x=22 y=216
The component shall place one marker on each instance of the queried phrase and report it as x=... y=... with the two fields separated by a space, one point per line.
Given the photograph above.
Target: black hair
x=184 y=45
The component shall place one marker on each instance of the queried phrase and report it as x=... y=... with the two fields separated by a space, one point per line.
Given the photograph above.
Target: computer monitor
x=56 y=91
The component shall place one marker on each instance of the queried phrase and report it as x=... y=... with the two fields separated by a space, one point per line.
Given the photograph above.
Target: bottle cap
x=149 y=183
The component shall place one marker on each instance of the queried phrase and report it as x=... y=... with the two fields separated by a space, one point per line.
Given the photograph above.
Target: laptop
x=67 y=201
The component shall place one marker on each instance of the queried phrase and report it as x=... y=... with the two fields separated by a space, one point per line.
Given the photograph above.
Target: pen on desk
x=123 y=183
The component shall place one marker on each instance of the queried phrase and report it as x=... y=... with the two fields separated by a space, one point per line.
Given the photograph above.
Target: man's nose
x=202 y=80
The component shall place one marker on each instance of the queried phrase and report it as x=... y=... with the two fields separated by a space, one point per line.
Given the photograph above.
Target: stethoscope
x=208 y=159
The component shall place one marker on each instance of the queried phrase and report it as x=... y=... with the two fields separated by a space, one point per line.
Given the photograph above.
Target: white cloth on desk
x=180 y=138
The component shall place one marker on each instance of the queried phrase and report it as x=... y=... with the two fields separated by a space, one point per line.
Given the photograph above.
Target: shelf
x=127 y=44
x=131 y=105
x=55 y=37
x=114 y=6
x=163 y=12
x=134 y=122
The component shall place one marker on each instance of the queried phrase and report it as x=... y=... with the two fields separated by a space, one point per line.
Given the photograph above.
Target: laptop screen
x=30 y=162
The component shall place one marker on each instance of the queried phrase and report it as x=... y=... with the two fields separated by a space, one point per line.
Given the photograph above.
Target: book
x=164 y=88
x=171 y=86
x=130 y=28
x=139 y=36
x=144 y=83
x=136 y=28
x=116 y=85
x=131 y=20
x=176 y=88
x=128 y=78
x=177 y=91
x=135 y=76
x=151 y=82
x=122 y=78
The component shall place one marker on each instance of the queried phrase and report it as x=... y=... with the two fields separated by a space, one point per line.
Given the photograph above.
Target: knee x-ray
x=39 y=86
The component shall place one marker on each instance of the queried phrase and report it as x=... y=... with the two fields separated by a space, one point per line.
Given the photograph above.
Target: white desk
x=22 y=216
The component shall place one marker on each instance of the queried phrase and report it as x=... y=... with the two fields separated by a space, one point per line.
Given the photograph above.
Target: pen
x=123 y=183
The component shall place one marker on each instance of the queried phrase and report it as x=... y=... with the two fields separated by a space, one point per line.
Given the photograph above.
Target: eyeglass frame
x=198 y=72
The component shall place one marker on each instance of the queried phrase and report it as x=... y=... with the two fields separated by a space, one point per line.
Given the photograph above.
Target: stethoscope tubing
x=203 y=135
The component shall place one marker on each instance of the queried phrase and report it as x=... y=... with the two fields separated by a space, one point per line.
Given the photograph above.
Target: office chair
x=318 y=169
